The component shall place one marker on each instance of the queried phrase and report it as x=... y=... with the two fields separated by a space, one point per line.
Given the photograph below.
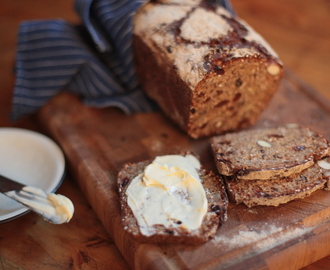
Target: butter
x=168 y=192
x=55 y=208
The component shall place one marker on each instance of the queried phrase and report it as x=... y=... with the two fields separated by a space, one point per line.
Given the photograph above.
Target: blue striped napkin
x=93 y=61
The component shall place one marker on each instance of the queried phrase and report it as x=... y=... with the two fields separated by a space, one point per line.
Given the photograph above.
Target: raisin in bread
x=208 y=71
x=268 y=153
x=279 y=191
x=216 y=214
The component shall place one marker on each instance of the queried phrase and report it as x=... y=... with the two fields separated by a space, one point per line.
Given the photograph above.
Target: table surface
x=298 y=30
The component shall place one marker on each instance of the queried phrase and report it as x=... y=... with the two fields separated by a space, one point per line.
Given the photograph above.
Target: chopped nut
x=218 y=124
x=292 y=125
x=264 y=143
x=324 y=164
x=273 y=69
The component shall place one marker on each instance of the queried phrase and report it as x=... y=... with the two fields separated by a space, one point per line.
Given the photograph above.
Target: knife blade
x=7 y=184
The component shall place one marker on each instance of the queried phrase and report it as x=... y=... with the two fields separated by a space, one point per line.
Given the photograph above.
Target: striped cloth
x=93 y=61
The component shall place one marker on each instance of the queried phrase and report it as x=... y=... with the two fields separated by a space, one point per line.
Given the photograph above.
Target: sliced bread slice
x=268 y=153
x=282 y=190
x=217 y=202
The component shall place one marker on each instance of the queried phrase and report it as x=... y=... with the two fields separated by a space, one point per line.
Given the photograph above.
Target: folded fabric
x=93 y=61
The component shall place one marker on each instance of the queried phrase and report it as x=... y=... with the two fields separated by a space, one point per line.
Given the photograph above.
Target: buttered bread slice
x=268 y=153
x=171 y=200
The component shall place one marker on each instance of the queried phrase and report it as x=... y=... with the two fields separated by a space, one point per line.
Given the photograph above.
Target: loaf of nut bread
x=208 y=71
x=176 y=231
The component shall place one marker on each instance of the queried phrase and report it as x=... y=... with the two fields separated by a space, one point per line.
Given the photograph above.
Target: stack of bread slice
x=272 y=166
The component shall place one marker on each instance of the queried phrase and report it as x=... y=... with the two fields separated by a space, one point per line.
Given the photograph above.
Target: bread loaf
x=209 y=72
x=176 y=232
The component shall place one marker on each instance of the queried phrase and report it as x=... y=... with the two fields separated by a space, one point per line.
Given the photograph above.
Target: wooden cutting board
x=98 y=142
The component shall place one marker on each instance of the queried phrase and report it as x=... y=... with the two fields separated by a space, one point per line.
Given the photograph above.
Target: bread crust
x=216 y=213
x=292 y=149
x=207 y=81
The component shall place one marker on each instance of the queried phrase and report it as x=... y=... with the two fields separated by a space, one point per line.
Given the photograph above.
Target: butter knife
x=55 y=208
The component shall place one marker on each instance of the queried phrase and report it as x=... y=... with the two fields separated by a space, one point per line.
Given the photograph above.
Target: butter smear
x=55 y=208
x=169 y=192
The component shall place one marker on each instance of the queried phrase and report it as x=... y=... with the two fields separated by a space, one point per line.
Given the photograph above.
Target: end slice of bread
x=268 y=153
x=216 y=212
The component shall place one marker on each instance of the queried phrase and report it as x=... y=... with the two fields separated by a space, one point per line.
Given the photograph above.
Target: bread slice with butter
x=174 y=207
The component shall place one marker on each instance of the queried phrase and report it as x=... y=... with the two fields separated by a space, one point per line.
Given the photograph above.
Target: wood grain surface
x=300 y=33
